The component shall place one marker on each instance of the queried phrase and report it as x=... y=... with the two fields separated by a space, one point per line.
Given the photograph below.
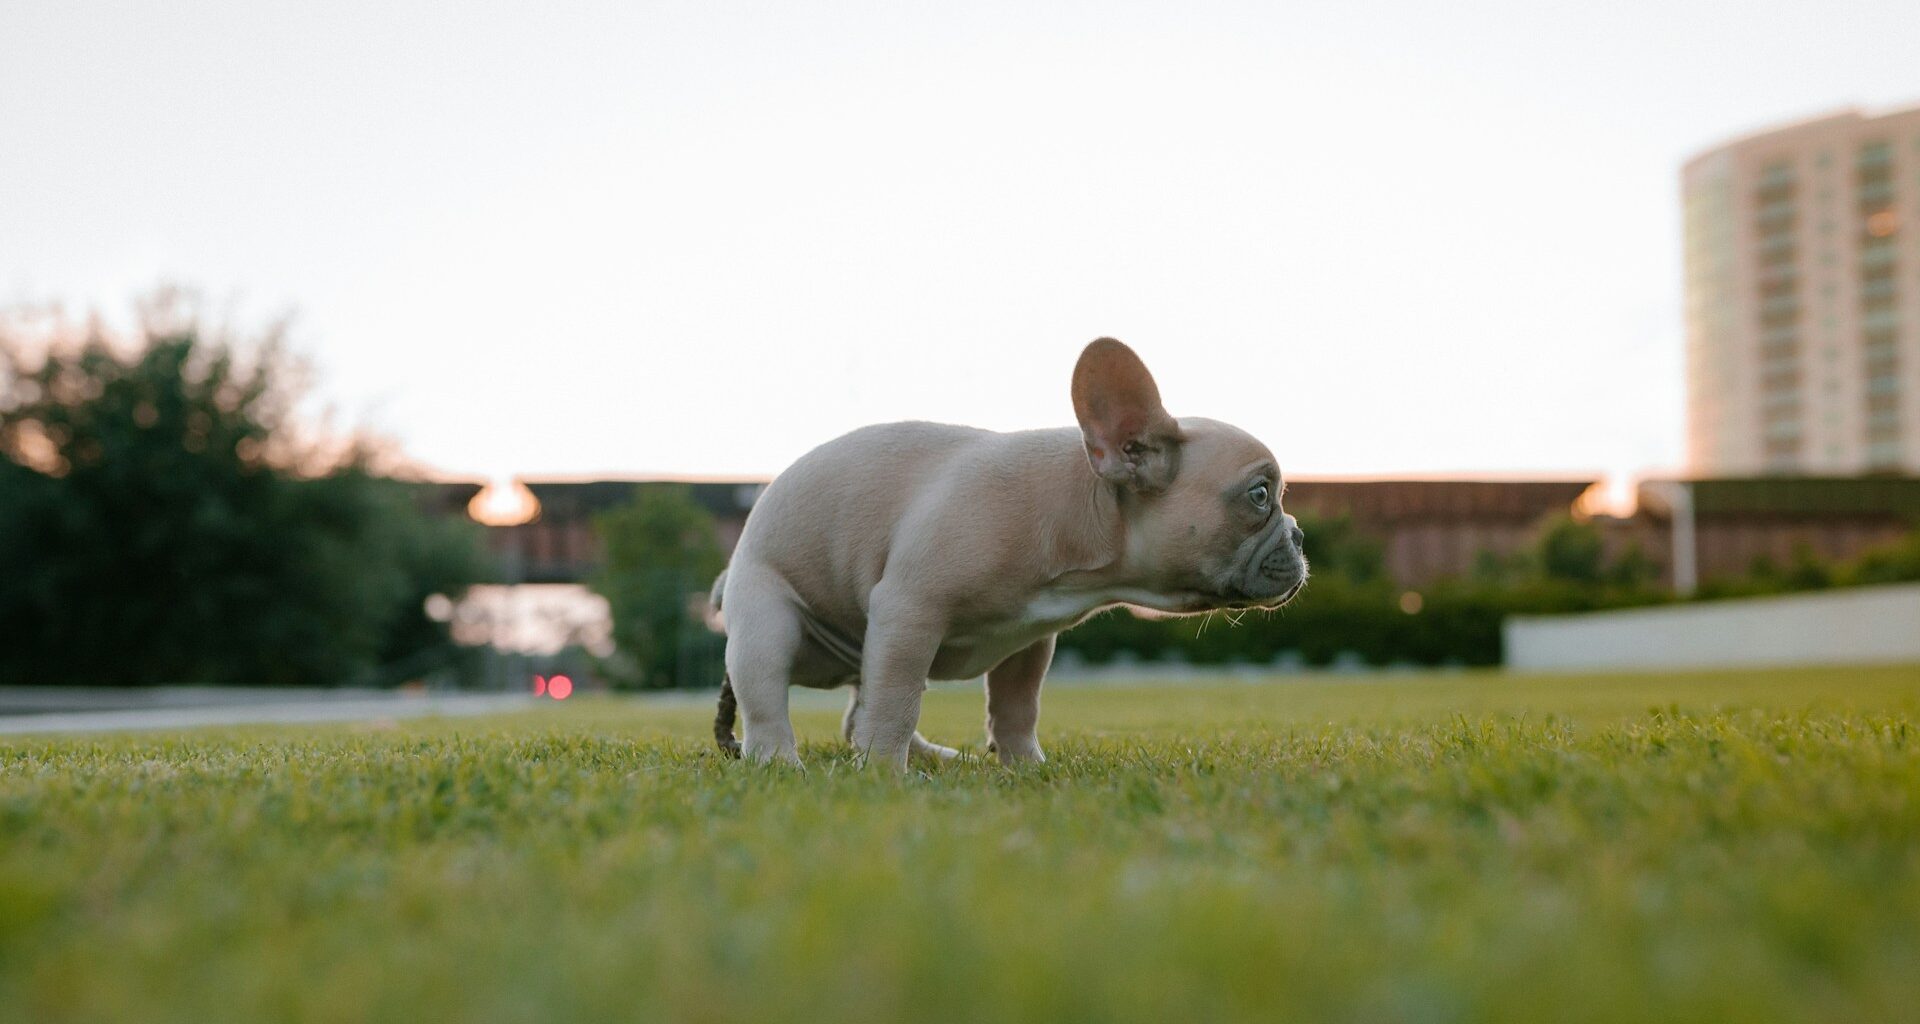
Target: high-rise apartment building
x=1803 y=299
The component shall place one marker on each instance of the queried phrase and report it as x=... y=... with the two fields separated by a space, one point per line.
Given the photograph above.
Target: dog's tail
x=723 y=718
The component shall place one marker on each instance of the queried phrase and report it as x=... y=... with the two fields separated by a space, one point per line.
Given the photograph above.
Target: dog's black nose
x=1299 y=537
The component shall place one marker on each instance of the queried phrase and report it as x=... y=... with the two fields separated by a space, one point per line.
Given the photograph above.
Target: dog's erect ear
x=1130 y=439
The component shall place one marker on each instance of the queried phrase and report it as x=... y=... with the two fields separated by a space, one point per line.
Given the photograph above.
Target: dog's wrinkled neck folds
x=1088 y=530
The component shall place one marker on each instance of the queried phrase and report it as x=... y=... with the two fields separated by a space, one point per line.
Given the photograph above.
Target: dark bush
x=662 y=553
x=162 y=522
x=1351 y=610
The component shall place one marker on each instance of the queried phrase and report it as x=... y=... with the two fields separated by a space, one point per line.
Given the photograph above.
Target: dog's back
x=828 y=519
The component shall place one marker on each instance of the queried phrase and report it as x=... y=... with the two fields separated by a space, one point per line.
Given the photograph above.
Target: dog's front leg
x=1013 y=703
x=902 y=638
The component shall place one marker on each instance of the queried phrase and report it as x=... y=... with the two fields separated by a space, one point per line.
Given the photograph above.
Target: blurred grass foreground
x=1457 y=847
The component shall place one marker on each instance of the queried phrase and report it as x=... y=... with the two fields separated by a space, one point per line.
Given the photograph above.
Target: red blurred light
x=559 y=687
x=539 y=686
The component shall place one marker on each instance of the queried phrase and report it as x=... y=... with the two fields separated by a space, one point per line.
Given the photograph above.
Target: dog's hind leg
x=925 y=747
x=763 y=636
x=853 y=710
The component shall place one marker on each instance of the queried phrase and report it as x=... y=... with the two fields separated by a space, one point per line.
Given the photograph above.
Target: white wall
x=1855 y=625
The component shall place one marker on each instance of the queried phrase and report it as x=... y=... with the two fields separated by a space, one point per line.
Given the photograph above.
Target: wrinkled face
x=1215 y=537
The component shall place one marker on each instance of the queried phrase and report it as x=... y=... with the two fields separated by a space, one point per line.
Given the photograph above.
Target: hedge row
x=1456 y=624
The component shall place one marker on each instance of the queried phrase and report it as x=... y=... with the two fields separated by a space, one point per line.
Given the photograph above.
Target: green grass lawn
x=1735 y=847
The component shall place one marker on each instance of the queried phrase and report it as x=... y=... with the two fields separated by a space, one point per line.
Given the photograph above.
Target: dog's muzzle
x=1279 y=569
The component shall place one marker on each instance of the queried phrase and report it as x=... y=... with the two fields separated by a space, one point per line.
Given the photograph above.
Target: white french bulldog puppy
x=914 y=551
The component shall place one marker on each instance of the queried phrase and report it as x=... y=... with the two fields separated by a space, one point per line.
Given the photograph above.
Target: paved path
x=69 y=709
x=179 y=710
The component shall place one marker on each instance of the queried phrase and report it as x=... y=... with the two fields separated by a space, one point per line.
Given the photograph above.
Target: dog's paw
x=1020 y=753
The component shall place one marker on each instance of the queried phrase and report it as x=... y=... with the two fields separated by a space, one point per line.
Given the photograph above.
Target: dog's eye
x=1260 y=494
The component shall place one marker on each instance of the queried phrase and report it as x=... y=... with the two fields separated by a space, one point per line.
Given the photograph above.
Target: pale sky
x=702 y=237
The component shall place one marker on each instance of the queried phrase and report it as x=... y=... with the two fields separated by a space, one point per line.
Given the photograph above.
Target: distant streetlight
x=504 y=503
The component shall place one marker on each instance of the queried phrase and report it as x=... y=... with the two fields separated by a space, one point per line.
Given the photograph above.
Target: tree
x=162 y=521
x=1571 y=551
x=1897 y=562
x=1633 y=570
x=1336 y=548
x=662 y=553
